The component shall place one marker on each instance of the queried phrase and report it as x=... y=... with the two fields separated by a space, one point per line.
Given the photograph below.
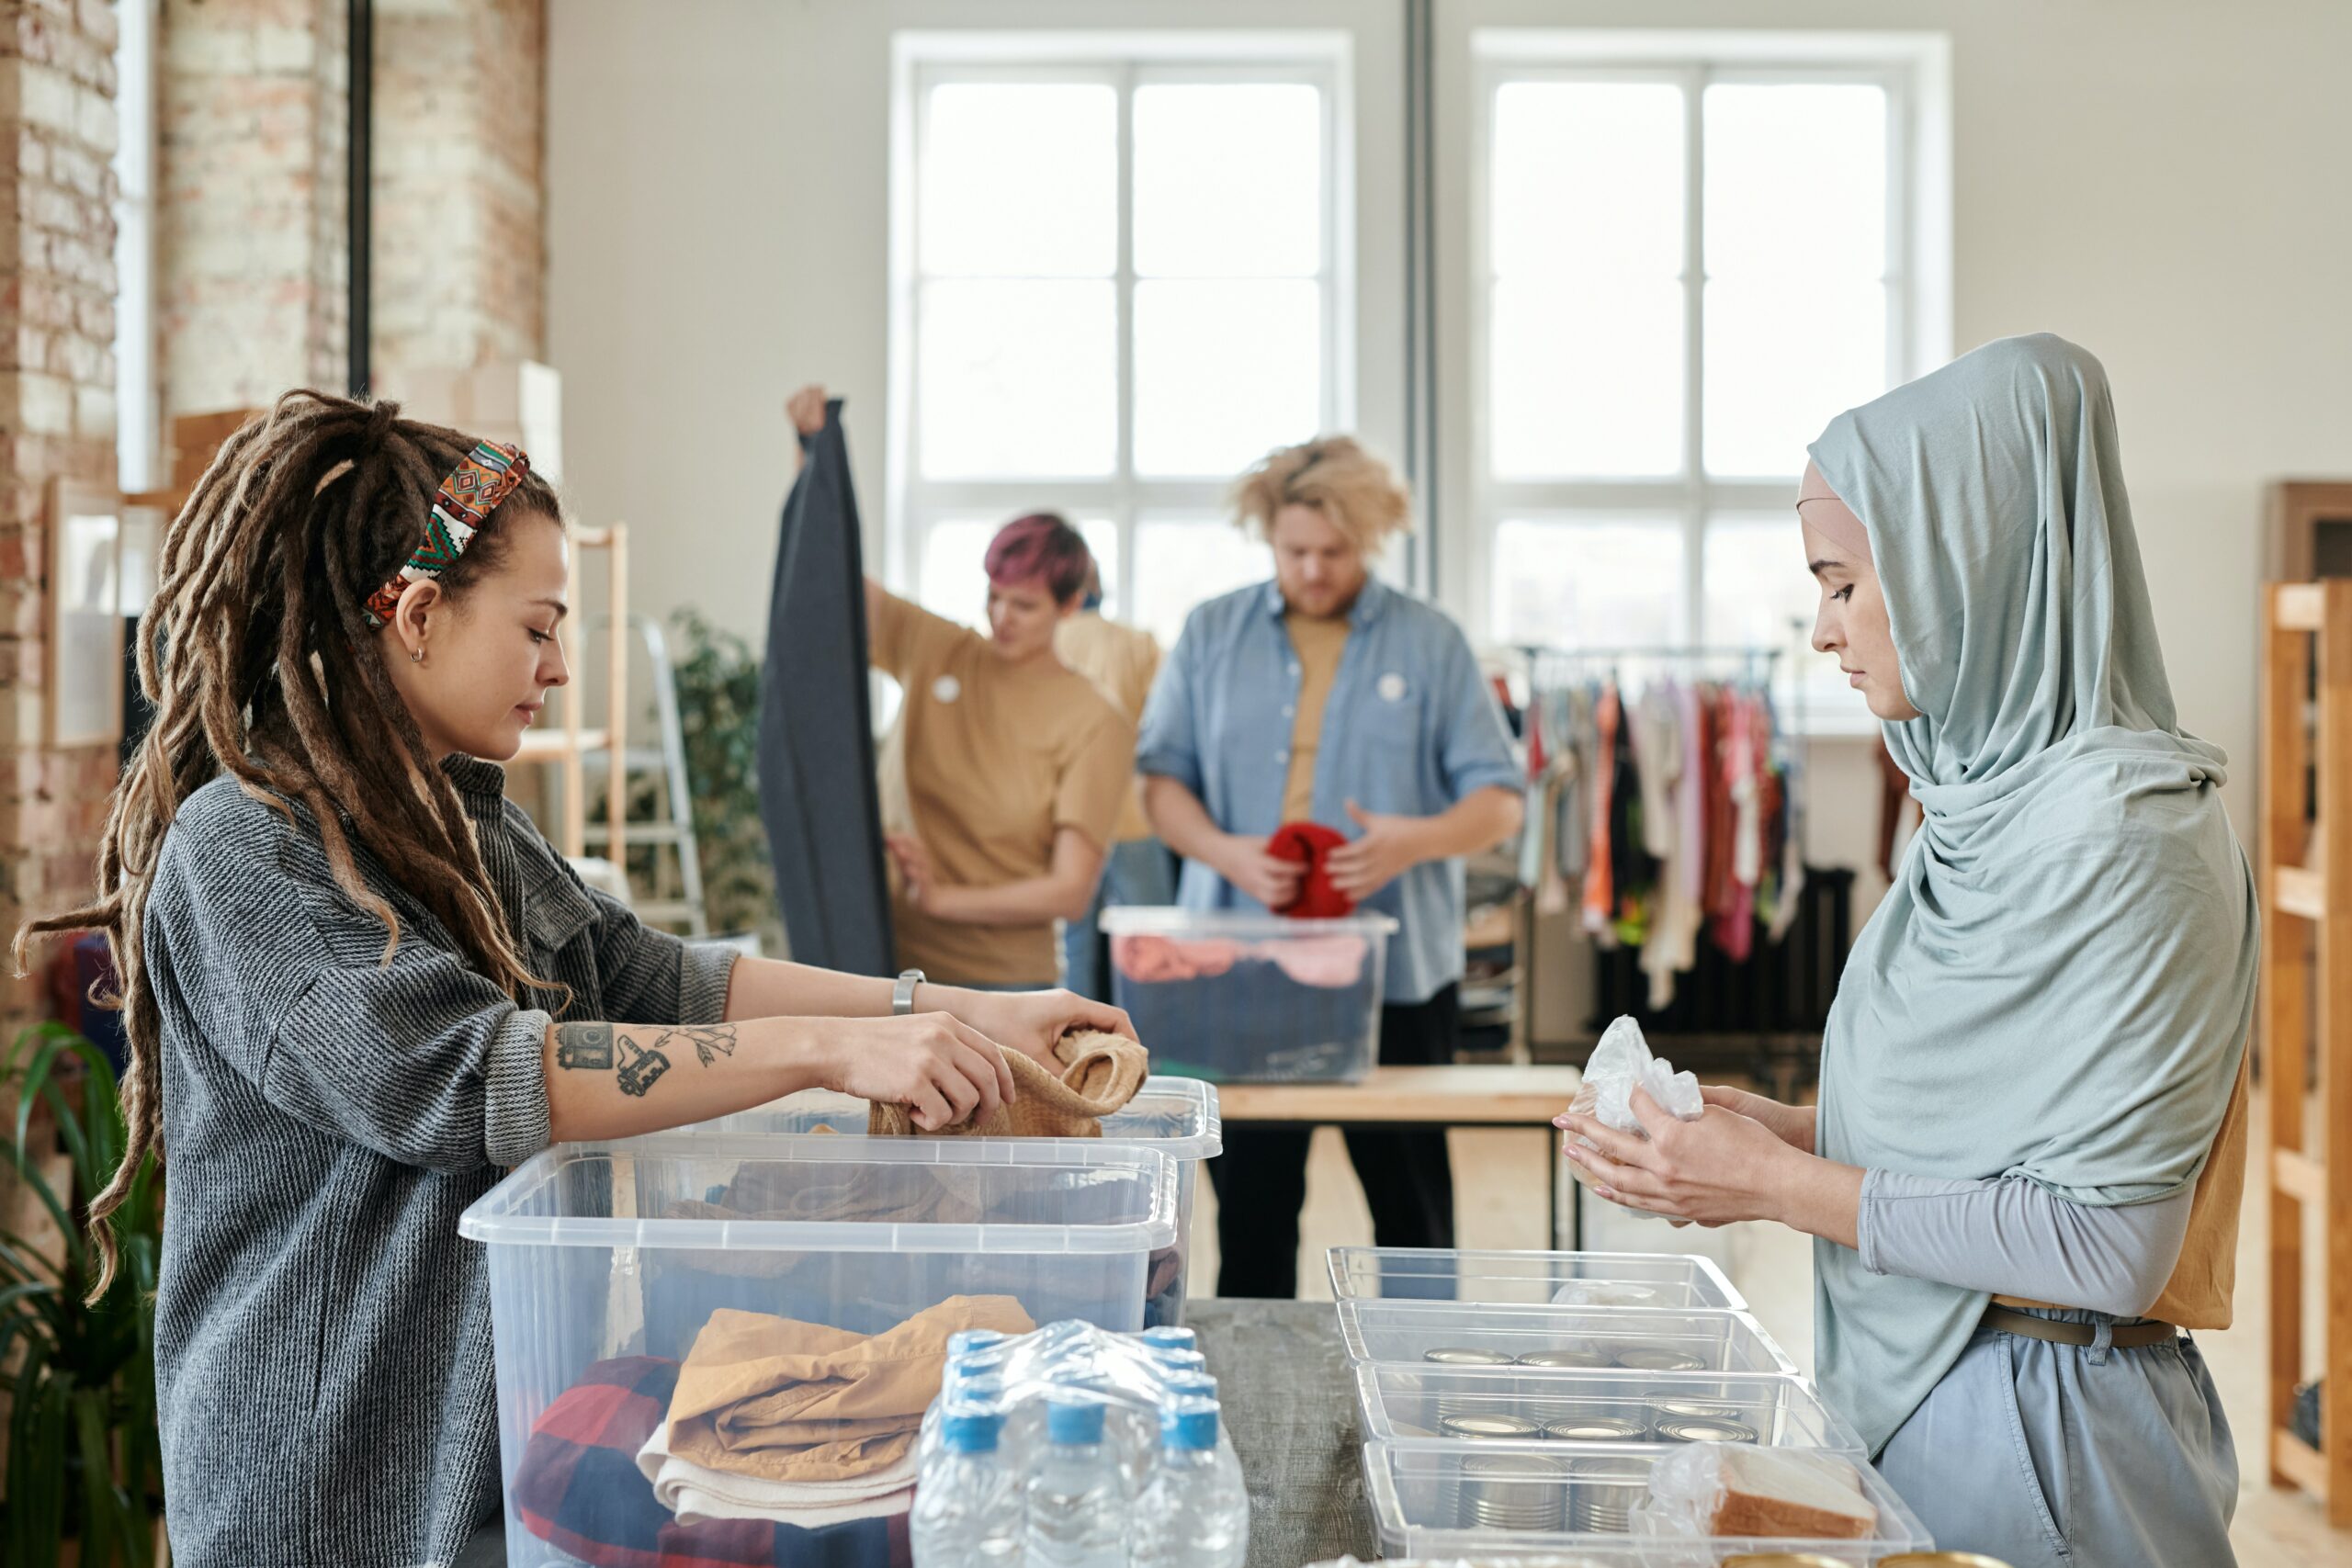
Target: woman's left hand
x=913 y=860
x=1723 y=1168
x=1031 y=1021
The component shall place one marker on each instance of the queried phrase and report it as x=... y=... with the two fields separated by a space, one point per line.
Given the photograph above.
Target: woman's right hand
x=943 y=1069
x=807 y=408
x=1792 y=1124
x=1269 y=879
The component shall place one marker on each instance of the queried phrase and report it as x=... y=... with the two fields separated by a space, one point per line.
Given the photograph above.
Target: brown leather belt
x=2123 y=1337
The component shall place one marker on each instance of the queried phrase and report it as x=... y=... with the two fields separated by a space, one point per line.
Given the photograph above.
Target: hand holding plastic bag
x=1620 y=1064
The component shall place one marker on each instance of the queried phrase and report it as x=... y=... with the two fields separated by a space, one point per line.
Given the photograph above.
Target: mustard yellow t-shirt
x=1122 y=660
x=986 y=764
x=1319 y=640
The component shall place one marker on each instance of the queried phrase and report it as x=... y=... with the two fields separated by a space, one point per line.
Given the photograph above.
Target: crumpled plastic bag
x=1620 y=1064
x=1710 y=1490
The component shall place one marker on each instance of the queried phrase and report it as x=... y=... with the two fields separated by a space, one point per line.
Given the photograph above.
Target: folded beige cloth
x=765 y=1396
x=1099 y=1074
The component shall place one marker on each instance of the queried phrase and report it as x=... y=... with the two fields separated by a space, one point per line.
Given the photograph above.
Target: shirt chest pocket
x=559 y=922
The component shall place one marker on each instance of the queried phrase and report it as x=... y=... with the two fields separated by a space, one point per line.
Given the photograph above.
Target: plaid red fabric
x=579 y=1489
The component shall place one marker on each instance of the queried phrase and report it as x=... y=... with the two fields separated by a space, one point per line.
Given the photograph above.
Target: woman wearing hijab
x=2024 y=1169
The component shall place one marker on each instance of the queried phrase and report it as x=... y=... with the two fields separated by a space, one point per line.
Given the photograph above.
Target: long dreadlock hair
x=259 y=660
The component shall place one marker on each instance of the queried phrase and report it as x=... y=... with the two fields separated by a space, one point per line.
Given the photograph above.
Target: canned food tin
x=1502 y=1492
x=1658 y=1359
x=1940 y=1560
x=1602 y=1495
x=1455 y=1357
x=1594 y=1429
x=1489 y=1428
x=1694 y=1430
x=1580 y=1360
x=1696 y=1409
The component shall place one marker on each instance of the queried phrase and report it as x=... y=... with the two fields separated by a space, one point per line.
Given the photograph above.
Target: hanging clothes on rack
x=1600 y=883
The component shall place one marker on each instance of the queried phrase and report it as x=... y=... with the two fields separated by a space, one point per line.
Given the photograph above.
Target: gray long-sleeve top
x=322 y=1337
x=2013 y=1238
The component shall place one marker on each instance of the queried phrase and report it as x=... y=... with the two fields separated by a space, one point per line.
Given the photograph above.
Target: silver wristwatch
x=902 y=996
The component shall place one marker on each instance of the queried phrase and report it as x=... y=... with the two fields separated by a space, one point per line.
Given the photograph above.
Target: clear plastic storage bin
x=599 y=1251
x=1582 y=1410
x=1176 y=1116
x=1645 y=1280
x=1251 y=998
x=1477 y=1501
x=1586 y=1337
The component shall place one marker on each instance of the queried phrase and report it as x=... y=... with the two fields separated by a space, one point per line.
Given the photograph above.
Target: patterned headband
x=483 y=478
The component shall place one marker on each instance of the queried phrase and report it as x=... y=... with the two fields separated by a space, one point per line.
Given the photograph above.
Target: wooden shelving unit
x=567 y=745
x=2306 y=1015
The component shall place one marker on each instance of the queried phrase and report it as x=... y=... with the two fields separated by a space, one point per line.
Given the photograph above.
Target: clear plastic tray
x=1410 y=1332
x=1640 y=1279
x=1475 y=1501
x=620 y=1249
x=1176 y=1116
x=1241 y=998
x=1650 y=1408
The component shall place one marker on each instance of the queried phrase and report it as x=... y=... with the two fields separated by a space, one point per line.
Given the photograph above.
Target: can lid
x=1488 y=1426
x=1592 y=1429
x=1463 y=1356
x=1657 y=1358
x=1191 y=1427
x=1700 y=1430
x=1075 y=1422
x=1578 y=1358
x=971 y=1429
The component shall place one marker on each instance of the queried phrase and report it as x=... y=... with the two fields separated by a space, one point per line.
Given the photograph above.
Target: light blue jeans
x=2063 y=1456
x=1140 y=871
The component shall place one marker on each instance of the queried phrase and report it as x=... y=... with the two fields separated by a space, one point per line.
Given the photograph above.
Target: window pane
x=1570 y=584
x=1021 y=179
x=1784 y=358
x=952 y=581
x=1225 y=371
x=1759 y=594
x=1796 y=179
x=1228 y=180
x=1017 y=379
x=1180 y=562
x=1587 y=381
x=1586 y=178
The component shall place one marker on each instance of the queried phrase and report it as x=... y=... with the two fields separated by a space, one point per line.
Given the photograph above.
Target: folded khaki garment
x=765 y=1396
x=1099 y=1074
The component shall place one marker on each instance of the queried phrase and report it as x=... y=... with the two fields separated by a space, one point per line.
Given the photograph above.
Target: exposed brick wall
x=252 y=258
x=459 y=228
x=57 y=419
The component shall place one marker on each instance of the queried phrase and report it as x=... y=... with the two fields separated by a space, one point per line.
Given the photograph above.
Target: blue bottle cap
x=1172 y=1338
x=1073 y=1423
x=964 y=1341
x=1190 y=1426
x=973 y=1369
x=970 y=1429
x=1193 y=1385
x=1170 y=1356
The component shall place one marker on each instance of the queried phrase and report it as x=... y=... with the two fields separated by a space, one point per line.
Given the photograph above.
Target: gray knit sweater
x=322 y=1337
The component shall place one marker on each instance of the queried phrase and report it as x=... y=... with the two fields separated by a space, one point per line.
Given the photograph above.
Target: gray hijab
x=2058 y=984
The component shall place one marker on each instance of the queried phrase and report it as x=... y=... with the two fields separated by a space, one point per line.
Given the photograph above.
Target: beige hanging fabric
x=1099 y=1074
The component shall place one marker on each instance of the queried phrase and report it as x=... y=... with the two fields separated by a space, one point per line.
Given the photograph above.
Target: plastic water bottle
x=1074 y=1508
x=967 y=1512
x=967 y=1383
x=1192 y=1516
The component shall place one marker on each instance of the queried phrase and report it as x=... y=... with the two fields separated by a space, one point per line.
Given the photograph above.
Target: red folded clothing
x=1309 y=844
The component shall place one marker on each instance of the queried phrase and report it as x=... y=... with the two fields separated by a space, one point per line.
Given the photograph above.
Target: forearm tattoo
x=596 y=1047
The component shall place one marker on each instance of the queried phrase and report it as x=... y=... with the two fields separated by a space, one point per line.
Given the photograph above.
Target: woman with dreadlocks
x=359 y=983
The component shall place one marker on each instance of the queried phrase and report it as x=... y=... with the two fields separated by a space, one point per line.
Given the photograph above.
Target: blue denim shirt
x=1410 y=728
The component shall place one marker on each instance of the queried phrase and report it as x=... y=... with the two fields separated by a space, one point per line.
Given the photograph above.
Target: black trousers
x=1261 y=1179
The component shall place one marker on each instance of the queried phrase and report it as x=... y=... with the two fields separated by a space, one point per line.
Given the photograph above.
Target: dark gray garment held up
x=816 y=780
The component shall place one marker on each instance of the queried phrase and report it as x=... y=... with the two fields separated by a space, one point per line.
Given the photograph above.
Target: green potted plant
x=719 y=711
x=84 y=1463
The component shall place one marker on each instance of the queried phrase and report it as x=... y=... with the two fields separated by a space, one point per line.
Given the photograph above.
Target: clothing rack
x=1549 y=667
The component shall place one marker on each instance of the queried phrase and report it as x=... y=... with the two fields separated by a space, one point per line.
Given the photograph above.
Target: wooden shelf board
x=2298 y=1176
x=2299 y=1462
x=2298 y=891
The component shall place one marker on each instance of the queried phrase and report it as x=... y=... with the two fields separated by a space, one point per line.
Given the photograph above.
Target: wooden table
x=1460 y=1095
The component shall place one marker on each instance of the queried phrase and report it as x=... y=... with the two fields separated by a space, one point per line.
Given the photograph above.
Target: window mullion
x=1694 y=360
x=1125 y=290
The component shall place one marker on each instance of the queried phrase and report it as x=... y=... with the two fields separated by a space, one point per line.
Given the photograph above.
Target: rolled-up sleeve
x=652 y=976
x=1474 y=744
x=1168 y=743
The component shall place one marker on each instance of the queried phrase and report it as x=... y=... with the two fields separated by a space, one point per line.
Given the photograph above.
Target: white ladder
x=672 y=827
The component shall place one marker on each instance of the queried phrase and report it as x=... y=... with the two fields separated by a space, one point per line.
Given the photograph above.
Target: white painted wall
x=2163 y=180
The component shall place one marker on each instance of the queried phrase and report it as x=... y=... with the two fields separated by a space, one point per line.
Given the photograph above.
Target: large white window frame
x=1911 y=69
x=1124 y=60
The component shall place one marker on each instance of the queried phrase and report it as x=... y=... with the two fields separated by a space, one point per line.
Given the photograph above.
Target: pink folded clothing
x=1328 y=963
x=1154 y=960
